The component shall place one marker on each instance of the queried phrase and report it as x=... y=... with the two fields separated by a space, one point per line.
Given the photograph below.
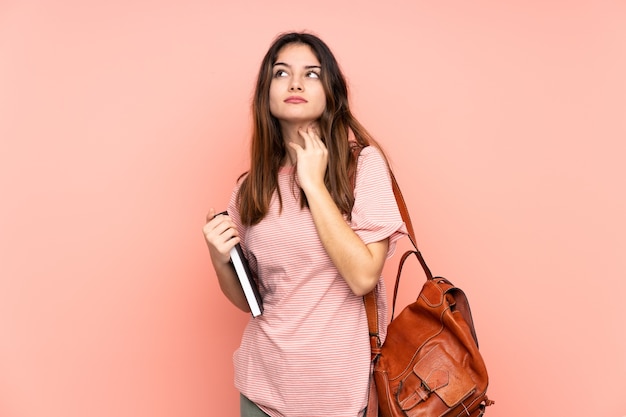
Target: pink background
x=122 y=122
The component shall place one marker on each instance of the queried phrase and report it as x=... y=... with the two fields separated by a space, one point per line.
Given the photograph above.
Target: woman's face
x=296 y=91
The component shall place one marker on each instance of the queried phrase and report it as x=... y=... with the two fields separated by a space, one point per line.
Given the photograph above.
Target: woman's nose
x=295 y=85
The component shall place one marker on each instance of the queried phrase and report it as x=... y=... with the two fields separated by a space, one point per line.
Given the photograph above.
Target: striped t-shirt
x=308 y=355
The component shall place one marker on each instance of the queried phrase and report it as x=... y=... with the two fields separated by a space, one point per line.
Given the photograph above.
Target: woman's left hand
x=312 y=158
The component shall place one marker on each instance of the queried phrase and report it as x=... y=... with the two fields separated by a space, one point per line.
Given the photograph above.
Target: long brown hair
x=268 y=149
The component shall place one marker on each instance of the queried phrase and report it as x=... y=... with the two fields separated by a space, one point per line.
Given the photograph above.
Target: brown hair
x=268 y=149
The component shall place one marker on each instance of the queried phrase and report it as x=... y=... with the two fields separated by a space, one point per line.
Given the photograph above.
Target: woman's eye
x=313 y=74
x=280 y=73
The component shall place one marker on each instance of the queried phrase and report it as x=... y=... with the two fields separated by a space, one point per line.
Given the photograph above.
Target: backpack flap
x=436 y=373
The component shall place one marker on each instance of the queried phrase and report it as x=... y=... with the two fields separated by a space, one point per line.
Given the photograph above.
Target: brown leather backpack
x=429 y=364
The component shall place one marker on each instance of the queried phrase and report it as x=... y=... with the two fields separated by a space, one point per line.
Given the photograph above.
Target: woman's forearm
x=359 y=264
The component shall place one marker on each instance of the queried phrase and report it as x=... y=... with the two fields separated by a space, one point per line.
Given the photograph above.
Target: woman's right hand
x=221 y=236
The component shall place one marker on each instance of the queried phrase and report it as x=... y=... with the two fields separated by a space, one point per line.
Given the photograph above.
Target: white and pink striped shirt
x=308 y=355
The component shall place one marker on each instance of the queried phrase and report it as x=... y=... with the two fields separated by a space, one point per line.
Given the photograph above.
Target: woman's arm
x=359 y=264
x=221 y=236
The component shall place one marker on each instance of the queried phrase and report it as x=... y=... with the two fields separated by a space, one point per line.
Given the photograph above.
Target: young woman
x=316 y=220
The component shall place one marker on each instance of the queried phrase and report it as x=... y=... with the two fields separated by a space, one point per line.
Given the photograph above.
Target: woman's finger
x=210 y=215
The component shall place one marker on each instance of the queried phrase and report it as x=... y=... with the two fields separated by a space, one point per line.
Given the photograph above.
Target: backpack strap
x=371 y=307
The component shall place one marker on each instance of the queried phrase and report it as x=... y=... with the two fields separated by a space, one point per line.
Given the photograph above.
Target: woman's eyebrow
x=289 y=66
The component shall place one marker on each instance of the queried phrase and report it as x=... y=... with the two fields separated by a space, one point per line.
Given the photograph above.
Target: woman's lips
x=295 y=100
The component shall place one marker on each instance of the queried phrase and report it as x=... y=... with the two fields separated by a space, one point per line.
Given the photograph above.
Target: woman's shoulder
x=371 y=156
x=370 y=150
x=365 y=152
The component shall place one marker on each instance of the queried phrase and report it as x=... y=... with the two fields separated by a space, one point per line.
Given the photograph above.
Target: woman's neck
x=290 y=135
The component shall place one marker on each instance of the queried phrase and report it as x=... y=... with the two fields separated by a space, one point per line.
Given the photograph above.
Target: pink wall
x=122 y=122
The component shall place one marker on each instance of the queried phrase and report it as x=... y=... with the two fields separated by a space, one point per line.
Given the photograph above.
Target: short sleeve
x=233 y=209
x=375 y=215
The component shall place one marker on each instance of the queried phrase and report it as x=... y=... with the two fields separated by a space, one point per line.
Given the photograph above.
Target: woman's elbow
x=365 y=276
x=364 y=285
